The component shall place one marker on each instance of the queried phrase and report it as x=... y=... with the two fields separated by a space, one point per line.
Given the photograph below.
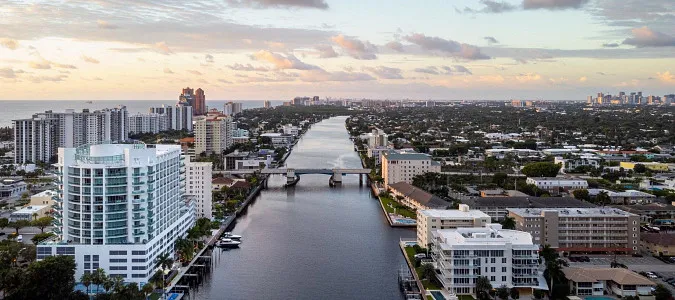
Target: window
x=492 y=278
x=493 y=269
x=503 y=278
x=118 y=260
x=117 y=268
x=138 y=260
x=503 y=270
x=112 y=252
x=503 y=260
x=141 y=268
x=137 y=252
x=137 y=275
x=65 y=251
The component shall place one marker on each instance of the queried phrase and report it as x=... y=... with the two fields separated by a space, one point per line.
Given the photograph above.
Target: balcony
x=138 y=209
x=138 y=217
x=57 y=199
x=138 y=174
x=137 y=201
x=57 y=222
x=136 y=233
x=139 y=182
x=138 y=192
x=138 y=225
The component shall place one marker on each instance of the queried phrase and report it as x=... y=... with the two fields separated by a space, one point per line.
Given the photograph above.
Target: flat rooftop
x=491 y=234
x=454 y=214
x=572 y=212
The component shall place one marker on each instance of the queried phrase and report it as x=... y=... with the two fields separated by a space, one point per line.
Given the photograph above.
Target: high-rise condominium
x=179 y=116
x=118 y=207
x=38 y=137
x=232 y=108
x=199 y=106
x=213 y=133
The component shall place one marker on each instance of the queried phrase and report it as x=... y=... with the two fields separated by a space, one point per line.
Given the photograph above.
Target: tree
x=85 y=279
x=639 y=168
x=513 y=292
x=538 y=294
x=508 y=223
x=581 y=194
x=41 y=237
x=483 y=286
x=50 y=278
x=42 y=223
x=500 y=179
x=603 y=198
x=164 y=261
x=503 y=292
x=553 y=272
x=4 y=222
x=541 y=169
x=429 y=273
x=98 y=277
x=662 y=293
x=18 y=225
x=147 y=290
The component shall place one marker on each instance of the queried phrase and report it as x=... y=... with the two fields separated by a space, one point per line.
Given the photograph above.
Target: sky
x=375 y=49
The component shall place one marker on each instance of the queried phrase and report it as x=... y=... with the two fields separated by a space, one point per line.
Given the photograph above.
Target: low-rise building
x=220 y=182
x=290 y=130
x=436 y=219
x=496 y=207
x=403 y=166
x=625 y=197
x=655 y=213
x=554 y=185
x=30 y=213
x=246 y=161
x=569 y=164
x=502 y=193
x=574 y=229
x=659 y=244
x=43 y=198
x=12 y=188
x=278 y=139
x=505 y=257
x=416 y=198
x=607 y=281
x=654 y=166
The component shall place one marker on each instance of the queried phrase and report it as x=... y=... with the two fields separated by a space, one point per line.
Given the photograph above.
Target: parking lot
x=637 y=264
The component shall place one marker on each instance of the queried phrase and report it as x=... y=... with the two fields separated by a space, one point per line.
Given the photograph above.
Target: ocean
x=25 y=109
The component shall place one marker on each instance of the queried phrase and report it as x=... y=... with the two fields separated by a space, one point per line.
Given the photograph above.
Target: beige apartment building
x=403 y=166
x=213 y=133
x=435 y=219
x=580 y=229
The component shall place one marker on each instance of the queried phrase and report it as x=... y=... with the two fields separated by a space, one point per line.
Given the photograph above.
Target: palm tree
x=147 y=289
x=98 y=277
x=85 y=279
x=509 y=223
x=603 y=198
x=553 y=267
x=483 y=285
x=163 y=261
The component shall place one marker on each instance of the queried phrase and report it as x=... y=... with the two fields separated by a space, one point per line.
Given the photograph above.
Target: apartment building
x=597 y=229
x=570 y=164
x=148 y=123
x=198 y=185
x=279 y=140
x=119 y=207
x=416 y=198
x=607 y=281
x=213 y=133
x=403 y=166
x=38 y=138
x=496 y=207
x=553 y=185
x=436 y=219
x=505 y=257
x=179 y=117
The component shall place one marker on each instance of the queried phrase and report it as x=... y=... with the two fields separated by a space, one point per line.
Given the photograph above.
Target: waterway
x=312 y=241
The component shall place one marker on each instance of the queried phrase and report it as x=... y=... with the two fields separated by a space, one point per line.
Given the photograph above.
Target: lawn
x=410 y=252
x=389 y=205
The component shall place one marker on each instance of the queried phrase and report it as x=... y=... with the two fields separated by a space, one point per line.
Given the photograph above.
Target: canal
x=312 y=241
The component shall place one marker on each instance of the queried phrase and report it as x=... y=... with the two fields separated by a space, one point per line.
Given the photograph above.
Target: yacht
x=228 y=243
x=229 y=235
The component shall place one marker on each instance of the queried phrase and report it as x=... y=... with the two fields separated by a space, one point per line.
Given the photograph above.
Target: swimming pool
x=405 y=221
x=437 y=295
x=598 y=298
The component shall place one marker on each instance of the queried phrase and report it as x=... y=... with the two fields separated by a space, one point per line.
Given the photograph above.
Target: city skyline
x=279 y=49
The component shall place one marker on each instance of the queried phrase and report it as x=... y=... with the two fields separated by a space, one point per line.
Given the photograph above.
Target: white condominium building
x=403 y=166
x=436 y=219
x=38 y=137
x=505 y=257
x=213 y=133
x=119 y=207
x=148 y=123
x=555 y=184
x=198 y=185
x=179 y=116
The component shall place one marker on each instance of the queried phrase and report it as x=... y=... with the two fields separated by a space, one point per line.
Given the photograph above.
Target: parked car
x=637 y=255
x=19 y=238
x=420 y=255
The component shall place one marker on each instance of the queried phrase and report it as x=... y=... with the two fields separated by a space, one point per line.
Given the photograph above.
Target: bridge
x=293 y=174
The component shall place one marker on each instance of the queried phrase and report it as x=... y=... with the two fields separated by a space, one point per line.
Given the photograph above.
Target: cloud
x=318 y=4
x=276 y=45
x=326 y=51
x=491 y=40
x=490 y=6
x=528 y=77
x=89 y=59
x=449 y=47
x=9 y=44
x=202 y=81
x=666 y=77
x=491 y=78
x=195 y=72
x=97 y=78
x=105 y=25
x=356 y=48
x=646 y=37
x=247 y=67
x=162 y=48
x=553 y=4
x=462 y=69
x=9 y=73
x=168 y=71
x=610 y=45
x=319 y=75
x=55 y=78
x=583 y=79
x=394 y=45
x=282 y=62
x=428 y=70
x=208 y=58
x=40 y=65
x=385 y=72
x=224 y=81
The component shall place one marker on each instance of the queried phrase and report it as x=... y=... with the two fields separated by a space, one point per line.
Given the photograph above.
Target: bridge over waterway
x=293 y=174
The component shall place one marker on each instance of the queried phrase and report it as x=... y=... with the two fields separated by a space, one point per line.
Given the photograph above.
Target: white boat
x=229 y=235
x=228 y=243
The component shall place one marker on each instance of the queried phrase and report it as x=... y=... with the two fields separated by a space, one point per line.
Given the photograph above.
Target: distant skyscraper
x=267 y=104
x=179 y=116
x=199 y=107
x=213 y=133
x=232 y=108
x=148 y=123
x=589 y=100
x=187 y=97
